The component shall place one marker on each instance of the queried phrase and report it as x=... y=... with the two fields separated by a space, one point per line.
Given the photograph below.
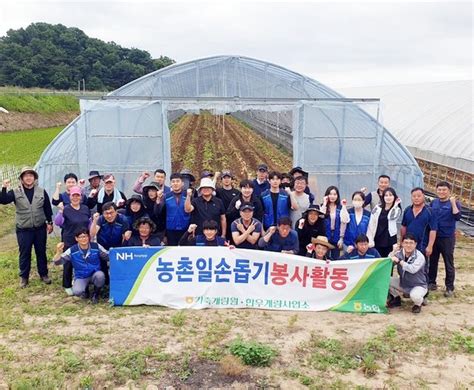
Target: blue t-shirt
x=445 y=217
x=421 y=225
x=110 y=234
x=246 y=244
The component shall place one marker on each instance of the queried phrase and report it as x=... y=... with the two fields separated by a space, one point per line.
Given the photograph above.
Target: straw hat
x=322 y=240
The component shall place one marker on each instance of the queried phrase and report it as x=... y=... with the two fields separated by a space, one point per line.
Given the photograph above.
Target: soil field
x=206 y=142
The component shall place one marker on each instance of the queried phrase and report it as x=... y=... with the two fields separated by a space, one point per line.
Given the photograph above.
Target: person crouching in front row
x=318 y=248
x=144 y=236
x=411 y=268
x=362 y=250
x=85 y=258
x=208 y=237
x=280 y=239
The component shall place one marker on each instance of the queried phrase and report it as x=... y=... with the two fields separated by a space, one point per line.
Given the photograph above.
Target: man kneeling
x=411 y=268
x=85 y=258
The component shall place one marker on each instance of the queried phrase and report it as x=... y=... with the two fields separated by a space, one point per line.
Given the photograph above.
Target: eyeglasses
x=82 y=236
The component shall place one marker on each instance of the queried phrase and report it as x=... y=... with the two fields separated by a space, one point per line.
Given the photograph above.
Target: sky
x=340 y=44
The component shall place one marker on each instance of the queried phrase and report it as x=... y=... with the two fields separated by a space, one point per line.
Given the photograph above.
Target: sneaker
x=69 y=291
x=425 y=301
x=449 y=293
x=416 y=309
x=23 y=282
x=395 y=302
x=45 y=279
x=432 y=286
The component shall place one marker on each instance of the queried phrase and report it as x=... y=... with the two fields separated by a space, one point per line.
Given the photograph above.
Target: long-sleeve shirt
x=7 y=197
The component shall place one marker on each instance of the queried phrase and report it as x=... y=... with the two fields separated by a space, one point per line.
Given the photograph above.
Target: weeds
x=252 y=353
x=178 y=319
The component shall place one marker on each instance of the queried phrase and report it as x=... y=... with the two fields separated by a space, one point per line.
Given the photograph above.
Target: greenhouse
x=337 y=140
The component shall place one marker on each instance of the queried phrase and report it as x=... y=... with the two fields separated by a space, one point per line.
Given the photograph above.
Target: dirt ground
x=24 y=121
x=73 y=344
x=210 y=142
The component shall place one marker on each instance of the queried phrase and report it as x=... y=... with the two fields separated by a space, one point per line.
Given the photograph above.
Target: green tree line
x=55 y=56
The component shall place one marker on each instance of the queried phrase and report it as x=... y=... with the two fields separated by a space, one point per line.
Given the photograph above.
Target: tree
x=55 y=56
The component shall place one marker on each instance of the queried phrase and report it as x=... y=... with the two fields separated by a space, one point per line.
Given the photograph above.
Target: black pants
x=27 y=238
x=67 y=270
x=384 y=251
x=174 y=236
x=443 y=246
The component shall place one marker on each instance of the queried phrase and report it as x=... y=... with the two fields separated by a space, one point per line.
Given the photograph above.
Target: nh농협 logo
x=123 y=256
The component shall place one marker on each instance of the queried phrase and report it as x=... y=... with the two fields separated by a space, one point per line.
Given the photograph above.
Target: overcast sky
x=338 y=44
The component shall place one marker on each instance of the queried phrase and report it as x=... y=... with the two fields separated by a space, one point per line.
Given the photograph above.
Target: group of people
x=274 y=212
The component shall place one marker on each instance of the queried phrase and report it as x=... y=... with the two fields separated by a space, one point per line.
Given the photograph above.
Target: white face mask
x=357 y=204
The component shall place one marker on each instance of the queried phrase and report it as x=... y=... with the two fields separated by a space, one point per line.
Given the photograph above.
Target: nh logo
x=124 y=256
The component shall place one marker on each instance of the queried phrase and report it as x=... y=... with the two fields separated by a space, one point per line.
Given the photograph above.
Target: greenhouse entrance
x=251 y=110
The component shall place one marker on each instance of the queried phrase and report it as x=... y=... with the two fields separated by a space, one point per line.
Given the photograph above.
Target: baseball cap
x=75 y=191
x=108 y=177
x=246 y=206
x=226 y=172
x=262 y=167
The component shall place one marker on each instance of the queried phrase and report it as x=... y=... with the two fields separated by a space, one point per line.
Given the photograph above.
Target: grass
x=38 y=103
x=253 y=353
x=25 y=147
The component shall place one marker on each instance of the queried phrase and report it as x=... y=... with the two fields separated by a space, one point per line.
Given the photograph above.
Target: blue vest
x=176 y=217
x=202 y=241
x=110 y=234
x=282 y=208
x=85 y=265
x=353 y=230
x=333 y=235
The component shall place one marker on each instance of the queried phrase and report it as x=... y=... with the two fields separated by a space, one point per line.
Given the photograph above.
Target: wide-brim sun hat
x=207 y=183
x=28 y=170
x=322 y=240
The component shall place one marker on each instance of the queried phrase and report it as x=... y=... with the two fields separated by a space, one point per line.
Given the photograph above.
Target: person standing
x=206 y=207
x=33 y=222
x=227 y=192
x=71 y=218
x=246 y=195
x=159 y=177
x=358 y=221
x=95 y=178
x=70 y=181
x=297 y=172
x=419 y=220
x=261 y=184
x=109 y=193
x=171 y=209
x=301 y=197
x=276 y=202
x=374 y=198
x=382 y=231
x=336 y=219
x=448 y=211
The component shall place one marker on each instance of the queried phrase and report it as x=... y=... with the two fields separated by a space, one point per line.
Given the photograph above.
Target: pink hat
x=75 y=191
